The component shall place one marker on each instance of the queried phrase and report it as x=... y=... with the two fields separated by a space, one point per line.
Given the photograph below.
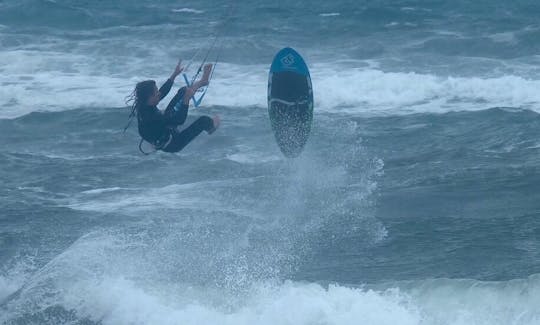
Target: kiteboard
x=290 y=101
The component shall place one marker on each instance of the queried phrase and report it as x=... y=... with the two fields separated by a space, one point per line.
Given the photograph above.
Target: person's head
x=146 y=93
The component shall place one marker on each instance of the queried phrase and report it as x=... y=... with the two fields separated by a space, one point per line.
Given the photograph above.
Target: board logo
x=288 y=60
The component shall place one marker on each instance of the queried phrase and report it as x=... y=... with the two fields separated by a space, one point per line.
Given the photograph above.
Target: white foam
x=9 y=285
x=250 y=158
x=188 y=10
x=112 y=278
x=507 y=37
x=247 y=155
x=234 y=85
x=102 y=190
x=120 y=301
x=29 y=83
x=463 y=302
x=374 y=92
x=14 y=277
x=200 y=195
x=392 y=24
x=330 y=14
x=137 y=200
x=55 y=81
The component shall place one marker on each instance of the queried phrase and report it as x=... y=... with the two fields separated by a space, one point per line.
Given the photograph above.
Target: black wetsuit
x=160 y=129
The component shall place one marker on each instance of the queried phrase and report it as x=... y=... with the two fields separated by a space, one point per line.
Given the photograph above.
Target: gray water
x=415 y=200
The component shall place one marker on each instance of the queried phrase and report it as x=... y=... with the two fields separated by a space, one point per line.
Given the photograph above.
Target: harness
x=156 y=146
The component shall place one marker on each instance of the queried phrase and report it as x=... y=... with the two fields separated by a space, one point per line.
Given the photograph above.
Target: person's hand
x=178 y=70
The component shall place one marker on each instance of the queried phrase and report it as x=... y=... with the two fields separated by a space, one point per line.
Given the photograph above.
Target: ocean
x=416 y=200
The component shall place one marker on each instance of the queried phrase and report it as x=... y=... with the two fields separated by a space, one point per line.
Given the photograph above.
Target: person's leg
x=177 y=111
x=207 y=70
x=182 y=139
x=190 y=91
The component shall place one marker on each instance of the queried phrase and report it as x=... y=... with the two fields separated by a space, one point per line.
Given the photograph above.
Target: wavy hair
x=138 y=97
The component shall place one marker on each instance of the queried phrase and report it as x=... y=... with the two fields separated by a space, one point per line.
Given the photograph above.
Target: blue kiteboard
x=290 y=101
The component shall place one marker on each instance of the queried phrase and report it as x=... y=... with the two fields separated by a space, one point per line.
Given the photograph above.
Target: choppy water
x=414 y=202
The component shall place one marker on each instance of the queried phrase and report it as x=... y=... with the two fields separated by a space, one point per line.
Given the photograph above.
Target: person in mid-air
x=159 y=128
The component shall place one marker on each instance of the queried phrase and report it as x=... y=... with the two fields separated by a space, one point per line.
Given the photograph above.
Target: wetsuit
x=160 y=129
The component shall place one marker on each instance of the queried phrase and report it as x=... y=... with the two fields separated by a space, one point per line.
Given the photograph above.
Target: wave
x=112 y=277
x=119 y=300
x=337 y=89
x=430 y=302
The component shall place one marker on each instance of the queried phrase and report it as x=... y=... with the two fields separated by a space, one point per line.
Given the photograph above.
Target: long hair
x=138 y=97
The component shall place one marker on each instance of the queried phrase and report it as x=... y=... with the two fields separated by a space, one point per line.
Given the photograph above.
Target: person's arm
x=164 y=90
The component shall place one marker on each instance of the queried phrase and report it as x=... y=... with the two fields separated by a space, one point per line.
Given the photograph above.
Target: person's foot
x=206 y=74
x=216 y=120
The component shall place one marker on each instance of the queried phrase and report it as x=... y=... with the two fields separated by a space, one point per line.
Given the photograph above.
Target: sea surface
x=416 y=200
